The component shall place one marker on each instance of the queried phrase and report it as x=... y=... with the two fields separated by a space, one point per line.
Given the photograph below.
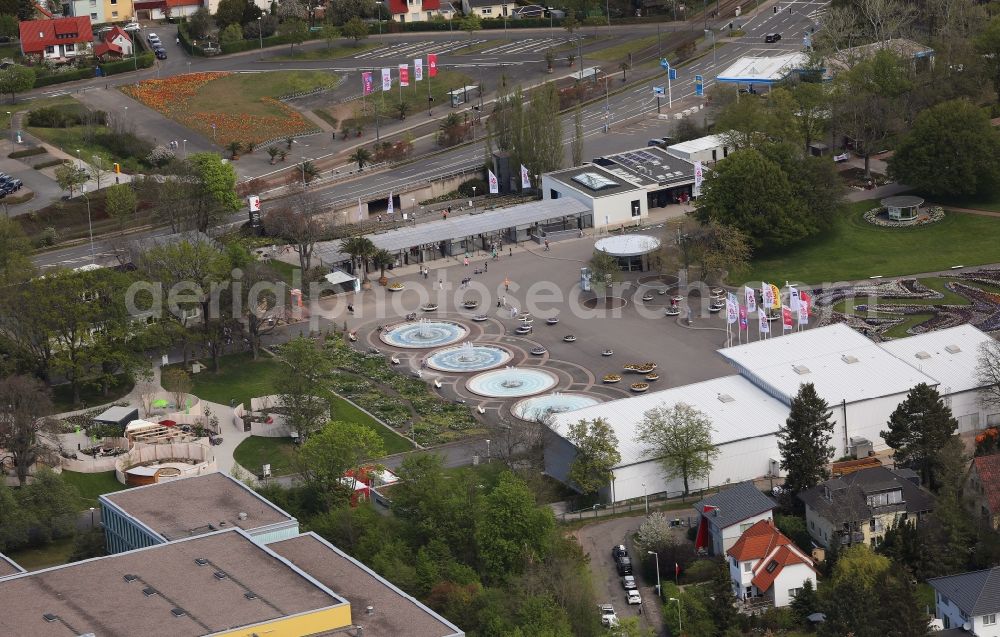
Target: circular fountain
x=537 y=407
x=511 y=382
x=468 y=357
x=424 y=333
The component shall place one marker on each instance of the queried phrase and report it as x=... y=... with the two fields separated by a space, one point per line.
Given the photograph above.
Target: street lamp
x=378 y=4
x=657 y=555
x=680 y=622
x=125 y=116
x=646 y=498
x=473 y=202
x=79 y=162
x=10 y=123
x=715 y=56
x=413 y=206
x=260 y=32
x=186 y=143
x=90 y=226
x=91 y=517
x=487 y=450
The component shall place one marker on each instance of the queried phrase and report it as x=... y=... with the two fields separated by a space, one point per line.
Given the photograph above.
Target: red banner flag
x=806 y=300
x=404 y=74
x=432 y=64
x=743 y=317
x=786 y=317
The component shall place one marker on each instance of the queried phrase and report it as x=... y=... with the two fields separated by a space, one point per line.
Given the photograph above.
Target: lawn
x=854 y=249
x=331 y=53
x=90 y=396
x=241 y=379
x=91 y=485
x=242 y=106
x=256 y=451
x=414 y=95
x=619 y=52
x=54 y=553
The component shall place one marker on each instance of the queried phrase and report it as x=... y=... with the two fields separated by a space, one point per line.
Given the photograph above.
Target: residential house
x=970 y=601
x=115 y=43
x=100 y=11
x=414 y=10
x=861 y=506
x=164 y=9
x=488 y=8
x=764 y=563
x=56 y=39
x=982 y=489
x=726 y=515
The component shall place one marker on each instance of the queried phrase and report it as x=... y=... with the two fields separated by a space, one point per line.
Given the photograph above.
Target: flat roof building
x=186 y=507
x=222 y=583
x=708 y=149
x=763 y=71
x=380 y=608
x=9 y=567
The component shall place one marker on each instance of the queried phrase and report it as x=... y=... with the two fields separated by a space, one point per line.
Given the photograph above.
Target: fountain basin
x=424 y=333
x=511 y=382
x=468 y=358
x=537 y=407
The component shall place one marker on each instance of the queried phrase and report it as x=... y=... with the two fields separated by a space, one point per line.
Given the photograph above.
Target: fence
x=663 y=502
x=198 y=458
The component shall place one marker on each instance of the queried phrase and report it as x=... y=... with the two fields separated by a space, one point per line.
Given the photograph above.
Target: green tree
x=200 y=24
x=178 y=382
x=604 y=271
x=15 y=254
x=296 y=31
x=987 y=44
x=918 y=427
x=719 y=250
x=301 y=389
x=719 y=602
x=344 y=11
x=16 y=79
x=680 y=438
x=232 y=33
x=577 y=149
x=596 y=454
x=229 y=12
x=471 y=23
x=806 y=602
x=951 y=150
x=330 y=33
x=858 y=563
x=362 y=156
x=436 y=504
x=355 y=29
x=510 y=529
x=23 y=401
x=542 y=136
x=69 y=177
x=329 y=454
x=15 y=522
x=8 y=25
x=120 y=203
x=817 y=188
x=812 y=116
x=382 y=259
x=751 y=193
x=212 y=193
x=53 y=505
x=360 y=249
x=988 y=372
x=570 y=23
x=804 y=441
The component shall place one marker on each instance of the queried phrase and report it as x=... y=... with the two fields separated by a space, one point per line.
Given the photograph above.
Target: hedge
x=109 y=68
x=49 y=164
x=28 y=152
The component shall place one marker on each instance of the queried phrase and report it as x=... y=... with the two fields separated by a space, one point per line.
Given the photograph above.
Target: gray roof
x=976 y=593
x=117 y=414
x=9 y=566
x=566 y=177
x=459 y=227
x=849 y=495
x=649 y=167
x=736 y=503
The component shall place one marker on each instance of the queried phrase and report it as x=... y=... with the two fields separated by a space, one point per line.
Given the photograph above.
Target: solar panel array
x=647 y=164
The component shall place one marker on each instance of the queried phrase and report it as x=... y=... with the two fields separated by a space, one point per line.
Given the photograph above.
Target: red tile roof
x=38 y=34
x=103 y=48
x=116 y=31
x=765 y=543
x=397 y=7
x=988 y=469
x=784 y=556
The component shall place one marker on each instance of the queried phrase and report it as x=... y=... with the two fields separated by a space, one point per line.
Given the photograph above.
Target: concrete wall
x=143 y=454
x=347 y=212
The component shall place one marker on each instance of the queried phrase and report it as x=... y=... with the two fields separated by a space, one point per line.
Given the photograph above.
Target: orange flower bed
x=171 y=96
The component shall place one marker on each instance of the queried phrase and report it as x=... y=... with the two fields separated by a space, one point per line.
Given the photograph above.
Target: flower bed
x=171 y=96
x=879 y=217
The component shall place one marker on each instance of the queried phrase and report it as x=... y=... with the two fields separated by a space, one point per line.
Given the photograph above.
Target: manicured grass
x=52 y=554
x=256 y=451
x=854 y=249
x=619 y=52
x=415 y=95
x=284 y=270
x=241 y=378
x=325 y=115
x=245 y=93
x=91 y=485
x=331 y=53
x=62 y=395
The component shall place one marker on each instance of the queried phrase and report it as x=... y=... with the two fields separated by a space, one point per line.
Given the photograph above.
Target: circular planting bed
x=880 y=217
x=537 y=407
x=605 y=303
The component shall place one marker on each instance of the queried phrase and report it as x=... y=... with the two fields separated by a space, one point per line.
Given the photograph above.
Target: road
x=634 y=103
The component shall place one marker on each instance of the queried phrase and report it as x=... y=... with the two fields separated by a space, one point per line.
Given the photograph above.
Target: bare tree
x=24 y=432
x=886 y=19
x=841 y=30
x=300 y=223
x=988 y=373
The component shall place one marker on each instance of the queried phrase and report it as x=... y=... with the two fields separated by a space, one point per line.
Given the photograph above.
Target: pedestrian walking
x=498 y=302
x=510 y=252
x=440 y=284
x=546 y=245
x=486 y=266
x=466 y=261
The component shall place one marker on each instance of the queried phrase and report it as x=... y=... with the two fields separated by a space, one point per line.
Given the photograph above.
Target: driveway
x=597 y=540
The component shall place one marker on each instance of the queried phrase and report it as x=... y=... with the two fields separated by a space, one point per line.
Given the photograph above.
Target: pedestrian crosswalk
x=423 y=47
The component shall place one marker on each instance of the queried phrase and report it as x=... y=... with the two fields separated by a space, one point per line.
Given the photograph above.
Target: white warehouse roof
x=763 y=70
x=950 y=356
x=841 y=363
x=737 y=409
x=697 y=145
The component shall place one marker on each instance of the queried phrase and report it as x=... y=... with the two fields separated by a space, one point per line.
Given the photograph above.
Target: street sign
x=699 y=86
x=673 y=73
x=664 y=64
x=659 y=91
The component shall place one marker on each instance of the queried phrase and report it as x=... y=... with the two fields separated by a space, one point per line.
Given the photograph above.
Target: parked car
x=634 y=597
x=772 y=37
x=608 y=616
x=153 y=39
x=619 y=551
x=132 y=26
x=624 y=566
x=628 y=582
x=160 y=54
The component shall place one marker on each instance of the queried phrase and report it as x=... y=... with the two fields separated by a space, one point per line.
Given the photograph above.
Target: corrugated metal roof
x=735 y=504
x=935 y=354
x=707 y=142
x=763 y=69
x=976 y=593
x=841 y=363
x=751 y=413
x=458 y=227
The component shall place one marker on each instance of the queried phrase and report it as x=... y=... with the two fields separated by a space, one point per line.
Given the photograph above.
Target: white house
x=729 y=514
x=613 y=200
x=488 y=8
x=416 y=10
x=862 y=381
x=970 y=601
x=708 y=149
x=765 y=563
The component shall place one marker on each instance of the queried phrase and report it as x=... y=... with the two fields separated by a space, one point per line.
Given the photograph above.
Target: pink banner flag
x=786 y=317
x=743 y=317
x=404 y=74
x=366 y=82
